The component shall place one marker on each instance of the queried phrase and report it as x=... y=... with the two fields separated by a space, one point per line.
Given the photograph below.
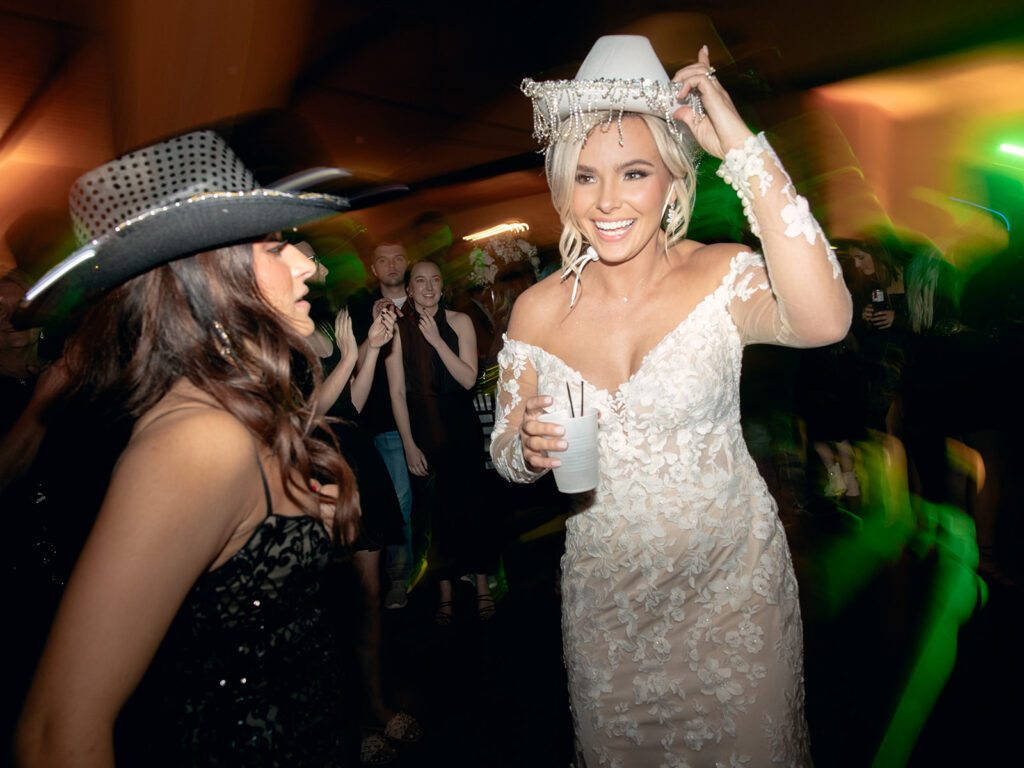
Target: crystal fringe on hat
x=621 y=73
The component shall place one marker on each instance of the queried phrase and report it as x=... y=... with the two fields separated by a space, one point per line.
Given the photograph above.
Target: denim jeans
x=397 y=558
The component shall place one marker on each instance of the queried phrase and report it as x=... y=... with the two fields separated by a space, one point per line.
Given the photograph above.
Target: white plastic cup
x=579 y=470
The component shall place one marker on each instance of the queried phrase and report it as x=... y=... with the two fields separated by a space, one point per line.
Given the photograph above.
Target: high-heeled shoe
x=443 y=614
x=485 y=609
x=375 y=750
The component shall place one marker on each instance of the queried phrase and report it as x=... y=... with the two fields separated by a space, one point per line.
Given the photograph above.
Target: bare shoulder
x=704 y=264
x=197 y=426
x=191 y=472
x=458 y=320
x=536 y=307
x=198 y=443
x=714 y=257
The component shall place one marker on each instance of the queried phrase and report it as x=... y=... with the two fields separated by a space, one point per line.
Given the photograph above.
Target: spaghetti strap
x=266 y=488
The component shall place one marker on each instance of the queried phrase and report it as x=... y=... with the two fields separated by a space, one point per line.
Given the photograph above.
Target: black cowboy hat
x=160 y=203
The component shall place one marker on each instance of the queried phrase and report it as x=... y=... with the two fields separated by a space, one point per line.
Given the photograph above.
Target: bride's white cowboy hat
x=163 y=202
x=621 y=73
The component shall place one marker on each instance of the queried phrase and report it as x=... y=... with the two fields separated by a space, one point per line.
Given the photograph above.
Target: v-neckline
x=617 y=391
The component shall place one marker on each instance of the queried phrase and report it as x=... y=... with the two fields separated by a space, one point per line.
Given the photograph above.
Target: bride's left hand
x=722 y=128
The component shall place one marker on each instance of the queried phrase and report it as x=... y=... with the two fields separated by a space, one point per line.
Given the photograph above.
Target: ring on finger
x=710 y=74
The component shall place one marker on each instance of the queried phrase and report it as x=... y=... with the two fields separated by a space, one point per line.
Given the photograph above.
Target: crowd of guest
x=407 y=370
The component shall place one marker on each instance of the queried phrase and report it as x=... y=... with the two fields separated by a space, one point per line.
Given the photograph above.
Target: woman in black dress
x=342 y=398
x=206 y=558
x=432 y=371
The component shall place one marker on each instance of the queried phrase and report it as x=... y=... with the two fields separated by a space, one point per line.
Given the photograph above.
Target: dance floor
x=880 y=623
x=493 y=694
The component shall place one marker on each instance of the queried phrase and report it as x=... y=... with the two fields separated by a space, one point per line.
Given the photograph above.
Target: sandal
x=375 y=750
x=443 y=615
x=485 y=607
x=403 y=728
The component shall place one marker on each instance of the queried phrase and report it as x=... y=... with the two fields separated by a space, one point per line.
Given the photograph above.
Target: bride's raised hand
x=540 y=437
x=722 y=128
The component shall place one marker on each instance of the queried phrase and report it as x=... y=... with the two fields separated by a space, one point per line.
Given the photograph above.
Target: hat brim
x=651 y=97
x=163 y=235
x=569 y=109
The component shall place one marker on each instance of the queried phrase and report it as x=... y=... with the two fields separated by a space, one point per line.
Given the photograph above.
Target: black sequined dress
x=249 y=673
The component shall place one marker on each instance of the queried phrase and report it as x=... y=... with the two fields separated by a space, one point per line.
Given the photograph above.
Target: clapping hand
x=722 y=128
x=343 y=334
x=381 y=304
x=383 y=328
x=429 y=329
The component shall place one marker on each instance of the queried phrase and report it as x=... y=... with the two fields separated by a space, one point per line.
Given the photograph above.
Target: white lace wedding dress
x=680 y=616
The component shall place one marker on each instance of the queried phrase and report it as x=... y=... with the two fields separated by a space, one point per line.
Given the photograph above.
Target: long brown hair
x=203 y=318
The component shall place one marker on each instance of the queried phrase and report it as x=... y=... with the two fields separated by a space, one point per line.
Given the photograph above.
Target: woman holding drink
x=681 y=624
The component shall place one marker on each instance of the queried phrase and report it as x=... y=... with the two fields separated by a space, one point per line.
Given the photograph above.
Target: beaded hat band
x=621 y=74
x=160 y=203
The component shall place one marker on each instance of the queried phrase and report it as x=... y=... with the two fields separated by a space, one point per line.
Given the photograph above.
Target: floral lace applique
x=747 y=282
x=741 y=166
x=680 y=616
x=506 y=447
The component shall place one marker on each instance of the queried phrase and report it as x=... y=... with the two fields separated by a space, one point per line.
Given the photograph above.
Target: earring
x=669 y=218
x=224 y=342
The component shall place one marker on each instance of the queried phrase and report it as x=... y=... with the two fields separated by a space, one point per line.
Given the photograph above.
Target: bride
x=681 y=623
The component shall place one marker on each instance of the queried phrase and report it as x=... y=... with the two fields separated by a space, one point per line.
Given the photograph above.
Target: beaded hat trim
x=567 y=109
x=622 y=73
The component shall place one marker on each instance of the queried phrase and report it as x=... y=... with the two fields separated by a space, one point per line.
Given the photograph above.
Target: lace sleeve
x=795 y=295
x=753 y=306
x=517 y=380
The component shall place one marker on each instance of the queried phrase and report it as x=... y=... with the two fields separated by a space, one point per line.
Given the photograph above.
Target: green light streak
x=888 y=526
x=1012 y=149
x=956 y=593
x=892 y=523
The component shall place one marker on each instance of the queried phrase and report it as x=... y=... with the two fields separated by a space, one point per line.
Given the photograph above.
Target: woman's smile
x=621 y=190
x=425 y=285
x=610 y=231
